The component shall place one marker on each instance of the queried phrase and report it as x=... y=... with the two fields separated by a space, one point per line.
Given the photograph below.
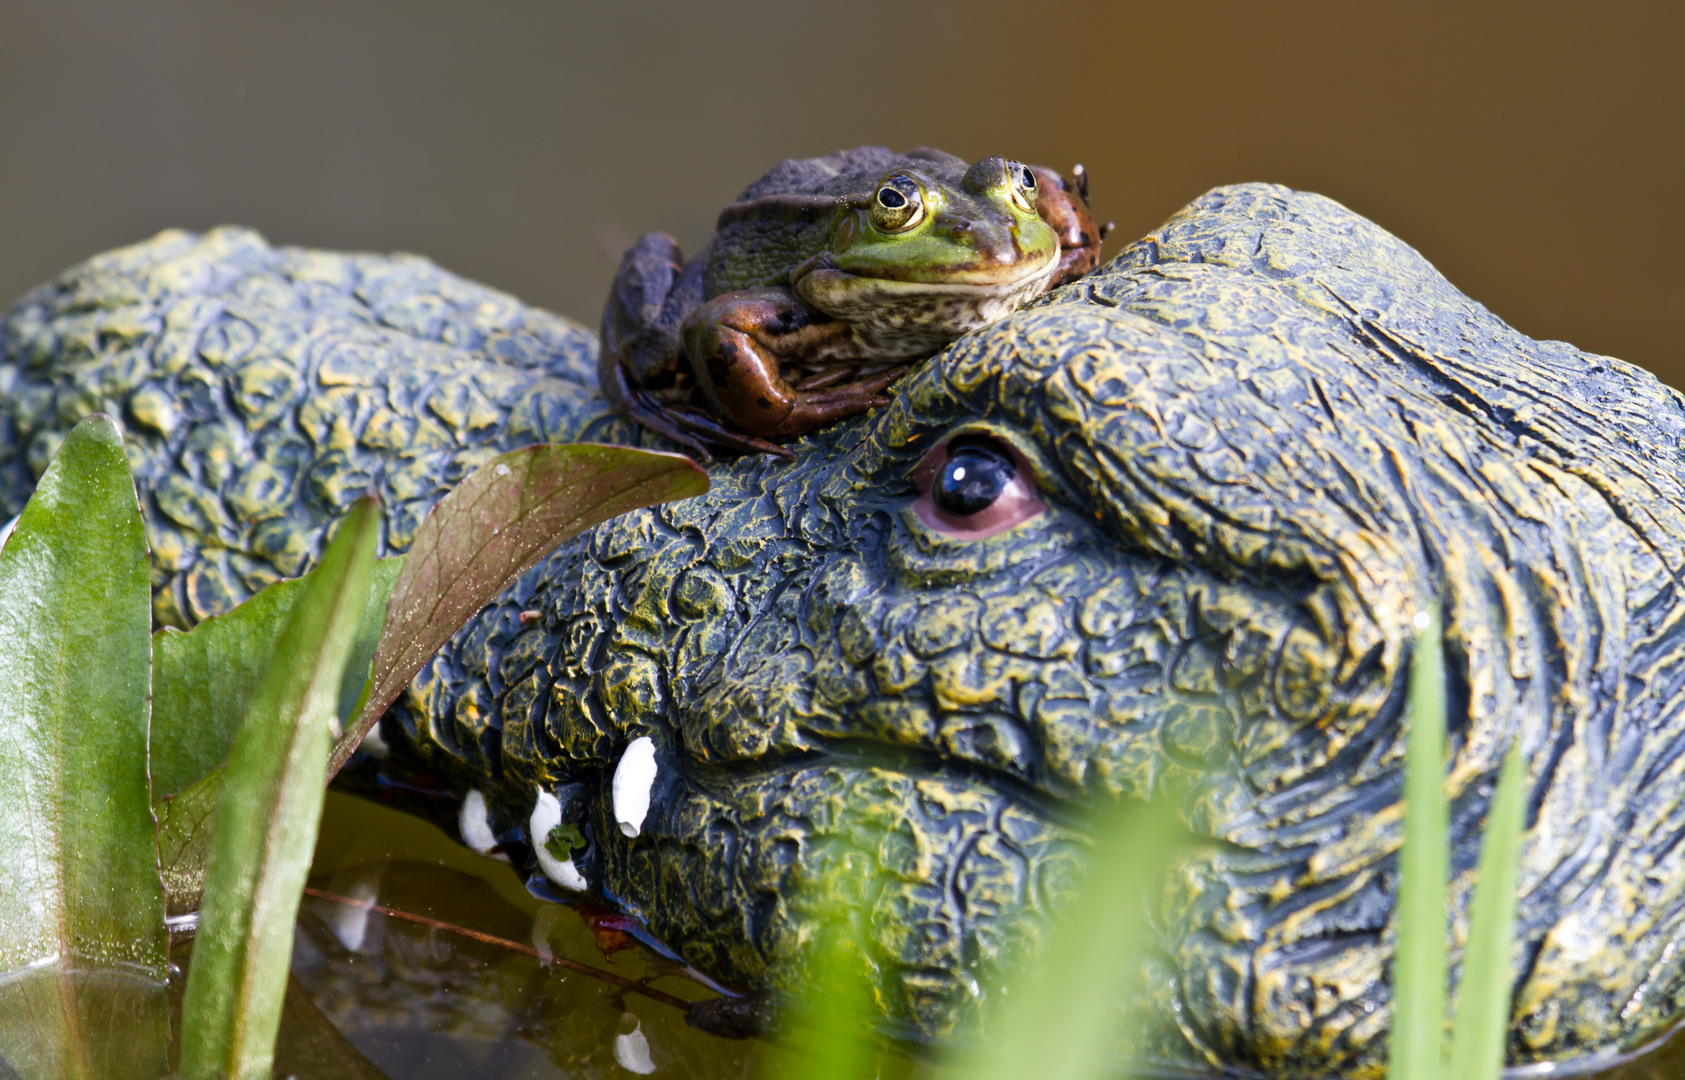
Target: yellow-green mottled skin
x=1269 y=435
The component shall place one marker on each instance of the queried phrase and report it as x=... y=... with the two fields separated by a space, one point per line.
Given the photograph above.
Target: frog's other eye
x=1023 y=185
x=898 y=205
x=973 y=486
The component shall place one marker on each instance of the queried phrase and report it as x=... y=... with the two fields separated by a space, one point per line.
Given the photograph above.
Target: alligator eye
x=899 y=204
x=974 y=486
x=974 y=476
x=1023 y=185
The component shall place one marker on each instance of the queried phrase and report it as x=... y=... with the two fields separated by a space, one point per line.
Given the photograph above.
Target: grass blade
x=830 y=1036
x=493 y=527
x=1055 y=1019
x=81 y=907
x=1481 y=1029
x=203 y=678
x=1418 y=1020
x=266 y=820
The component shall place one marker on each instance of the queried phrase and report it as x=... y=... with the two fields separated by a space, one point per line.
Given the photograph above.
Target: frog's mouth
x=997 y=263
x=907 y=317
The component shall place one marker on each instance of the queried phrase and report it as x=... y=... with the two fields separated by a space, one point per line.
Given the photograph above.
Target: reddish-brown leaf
x=493 y=527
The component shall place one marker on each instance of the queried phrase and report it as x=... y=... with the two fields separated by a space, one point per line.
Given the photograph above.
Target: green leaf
x=493 y=527
x=185 y=826
x=564 y=840
x=81 y=906
x=59 y=1022
x=1418 y=1019
x=1481 y=1028
x=1056 y=1017
x=267 y=817
x=203 y=678
x=831 y=1034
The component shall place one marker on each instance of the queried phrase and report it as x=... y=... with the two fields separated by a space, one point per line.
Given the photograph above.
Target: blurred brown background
x=1534 y=152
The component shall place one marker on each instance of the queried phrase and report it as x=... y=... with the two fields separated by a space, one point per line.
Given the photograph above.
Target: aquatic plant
x=171 y=784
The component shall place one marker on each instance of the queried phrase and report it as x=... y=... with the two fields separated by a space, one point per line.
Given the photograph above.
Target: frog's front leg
x=640 y=369
x=640 y=341
x=739 y=344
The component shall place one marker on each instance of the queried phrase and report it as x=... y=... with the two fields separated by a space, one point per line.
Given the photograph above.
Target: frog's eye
x=1023 y=185
x=898 y=205
x=974 y=486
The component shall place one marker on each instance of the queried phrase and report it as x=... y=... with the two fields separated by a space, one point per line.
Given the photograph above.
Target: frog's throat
x=912 y=318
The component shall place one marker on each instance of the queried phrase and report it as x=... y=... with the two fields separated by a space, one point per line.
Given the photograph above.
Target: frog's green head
x=930 y=228
x=935 y=244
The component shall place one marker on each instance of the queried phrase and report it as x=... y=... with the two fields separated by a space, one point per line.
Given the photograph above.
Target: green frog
x=823 y=282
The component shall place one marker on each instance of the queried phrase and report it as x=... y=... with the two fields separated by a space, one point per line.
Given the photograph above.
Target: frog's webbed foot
x=644 y=408
x=701 y=426
x=738 y=345
x=686 y=425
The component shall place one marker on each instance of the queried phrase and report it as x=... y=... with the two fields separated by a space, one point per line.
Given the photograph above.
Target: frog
x=824 y=281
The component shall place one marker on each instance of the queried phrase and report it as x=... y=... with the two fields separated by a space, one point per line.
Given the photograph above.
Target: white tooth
x=633 y=778
x=475 y=823
x=546 y=816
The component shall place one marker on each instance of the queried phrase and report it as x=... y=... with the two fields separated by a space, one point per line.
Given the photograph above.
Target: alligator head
x=1267 y=437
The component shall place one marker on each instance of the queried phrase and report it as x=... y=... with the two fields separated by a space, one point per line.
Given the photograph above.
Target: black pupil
x=1028 y=177
x=973 y=477
x=892 y=199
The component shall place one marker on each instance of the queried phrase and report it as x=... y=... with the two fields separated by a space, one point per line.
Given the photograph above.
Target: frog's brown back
x=845 y=172
x=263 y=389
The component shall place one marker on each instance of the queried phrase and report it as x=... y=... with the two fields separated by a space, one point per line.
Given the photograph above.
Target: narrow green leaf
x=267 y=817
x=185 y=825
x=81 y=907
x=493 y=527
x=1056 y=1017
x=830 y=1034
x=1481 y=1029
x=1418 y=1020
x=203 y=678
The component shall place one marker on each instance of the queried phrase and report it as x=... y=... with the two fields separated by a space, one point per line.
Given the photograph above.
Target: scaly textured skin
x=1269 y=435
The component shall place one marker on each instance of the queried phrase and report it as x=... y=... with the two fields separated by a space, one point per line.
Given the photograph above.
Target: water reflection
x=420 y=1003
